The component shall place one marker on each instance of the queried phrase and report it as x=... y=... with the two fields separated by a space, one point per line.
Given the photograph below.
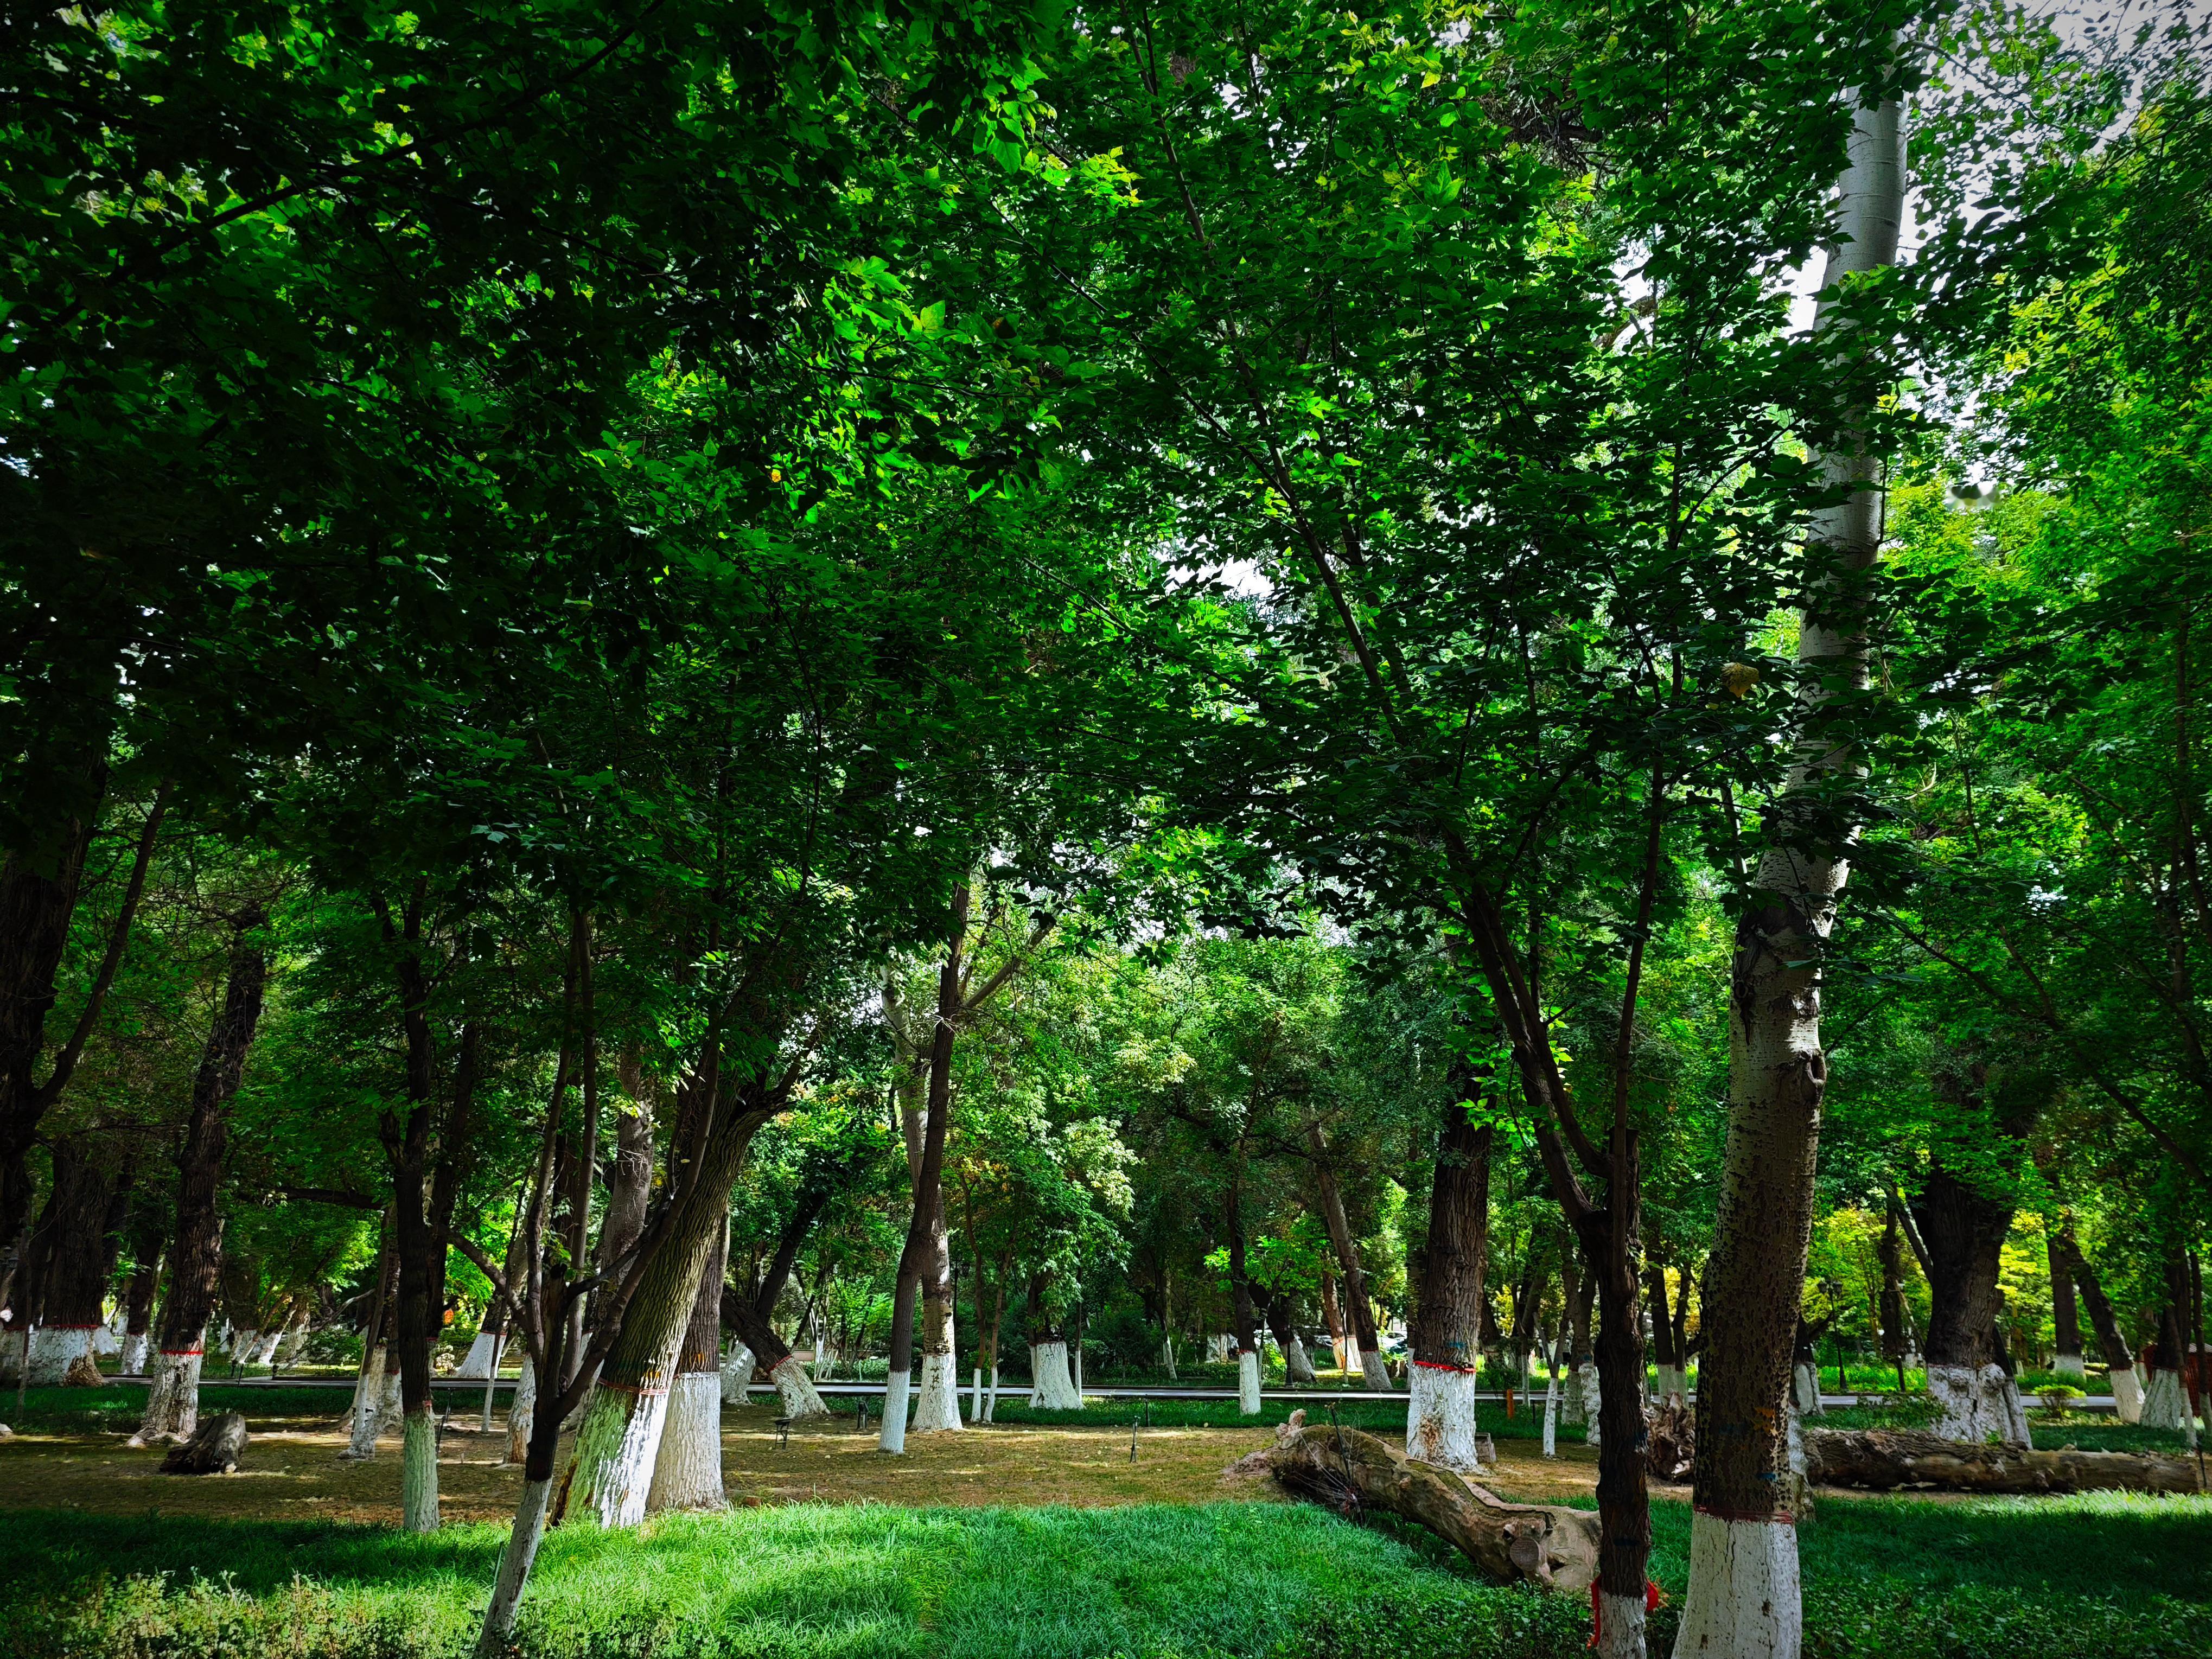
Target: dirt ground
x=292 y=1471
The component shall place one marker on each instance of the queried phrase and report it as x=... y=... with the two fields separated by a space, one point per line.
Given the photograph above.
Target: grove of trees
x=971 y=693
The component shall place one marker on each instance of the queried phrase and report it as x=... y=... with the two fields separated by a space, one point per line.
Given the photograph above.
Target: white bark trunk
x=241 y=1345
x=1347 y=1355
x=172 y=1402
x=476 y=1364
x=975 y=1397
x=521 y=1408
x=515 y=1563
x=2070 y=1365
x=2128 y=1395
x=1168 y=1358
x=1440 y=1418
x=1248 y=1384
x=54 y=1349
x=1075 y=1370
x=418 y=1473
x=937 y=1407
x=1805 y=1381
x=795 y=1391
x=1975 y=1404
x=1376 y=1371
x=1055 y=1387
x=991 y=1405
x=367 y=1405
x=1619 y=1625
x=390 y=1413
x=1745 y=1601
x=890 y=1433
x=264 y=1352
x=1552 y=1413
x=1586 y=1385
x=295 y=1338
x=610 y=1470
x=1298 y=1367
x=134 y=1354
x=688 y=1473
x=736 y=1375
x=2161 y=1402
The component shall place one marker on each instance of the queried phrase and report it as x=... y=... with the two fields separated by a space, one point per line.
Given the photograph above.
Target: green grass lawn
x=2059 y=1579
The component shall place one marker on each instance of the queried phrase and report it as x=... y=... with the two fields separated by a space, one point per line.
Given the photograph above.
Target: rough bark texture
x=1744 y=1598
x=196 y=1253
x=213 y=1448
x=1346 y=1471
x=1447 y=1333
x=1883 y=1459
x=2065 y=1322
x=687 y=1474
x=1359 y=1313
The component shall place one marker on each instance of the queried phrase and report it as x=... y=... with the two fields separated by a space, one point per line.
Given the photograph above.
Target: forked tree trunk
x=795 y=1391
x=172 y=1402
x=1745 y=1600
x=1282 y=1323
x=688 y=1473
x=1359 y=1313
x=1441 y=1426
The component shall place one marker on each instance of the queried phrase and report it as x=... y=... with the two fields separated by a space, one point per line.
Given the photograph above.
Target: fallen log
x=214 y=1448
x=1886 y=1460
x=1347 y=1471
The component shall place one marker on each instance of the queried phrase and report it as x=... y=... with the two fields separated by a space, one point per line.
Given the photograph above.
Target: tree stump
x=1346 y=1471
x=83 y=1373
x=1884 y=1459
x=1670 y=1452
x=214 y=1448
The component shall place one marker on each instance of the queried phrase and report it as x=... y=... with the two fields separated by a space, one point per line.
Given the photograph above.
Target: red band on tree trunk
x=1445 y=1366
x=182 y=1353
x=1778 y=1517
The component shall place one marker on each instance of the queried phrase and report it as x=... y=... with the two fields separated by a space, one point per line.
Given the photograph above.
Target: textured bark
x=2065 y=1322
x=1282 y=1325
x=1886 y=1460
x=195 y=1253
x=688 y=1473
x=1331 y=1315
x=213 y=1448
x=1744 y=1598
x=74 y=1250
x=1359 y=1313
x=1347 y=1470
x=1447 y=1333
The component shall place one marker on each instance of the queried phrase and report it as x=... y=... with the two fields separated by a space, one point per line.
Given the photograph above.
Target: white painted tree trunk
x=1440 y=1418
x=54 y=1349
x=1248 y=1384
x=367 y=1405
x=976 y=1396
x=991 y=1405
x=391 y=1412
x=521 y=1408
x=2128 y=1395
x=1055 y=1387
x=134 y=1354
x=2162 y=1400
x=476 y=1364
x=1298 y=1367
x=736 y=1375
x=937 y=1407
x=1976 y=1403
x=688 y=1473
x=499 y=1346
x=1570 y=1397
x=1619 y=1625
x=795 y=1391
x=172 y=1402
x=610 y=1470
x=1347 y=1355
x=1745 y=1601
x=1551 y=1412
x=13 y=1345
x=265 y=1354
x=1805 y=1382
x=1592 y=1399
x=1168 y=1358
x=295 y=1338
x=1075 y=1370
x=514 y=1562
x=1669 y=1384
x=241 y=1345
x=1376 y=1371
x=890 y=1433
x=825 y=1362
x=2070 y=1365
x=418 y=1472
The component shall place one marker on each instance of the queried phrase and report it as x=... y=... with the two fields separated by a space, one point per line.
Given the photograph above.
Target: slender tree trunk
x=1240 y=1294
x=1282 y=1323
x=138 y=1299
x=1447 y=1336
x=1329 y=1311
x=1745 y=1599
x=172 y=1402
x=1359 y=1312
x=2065 y=1322
x=2119 y=1361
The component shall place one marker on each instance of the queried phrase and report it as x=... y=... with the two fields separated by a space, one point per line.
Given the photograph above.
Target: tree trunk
x=1282 y=1324
x=138 y=1300
x=2120 y=1361
x=1891 y=1256
x=1359 y=1313
x=1329 y=1312
x=1964 y=1229
x=81 y=1238
x=1579 y=1292
x=1347 y=1470
x=2065 y=1322
x=1441 y=1426
x=172 y=1403
x=1888 y=1460
x=1745 y=1600
x=522 y=1410
x=794 y=1389
x=688 y=1473
x=1240 y=1296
